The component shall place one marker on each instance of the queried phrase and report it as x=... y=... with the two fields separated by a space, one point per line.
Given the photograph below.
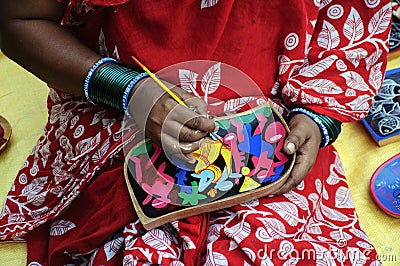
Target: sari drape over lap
x=70 y=200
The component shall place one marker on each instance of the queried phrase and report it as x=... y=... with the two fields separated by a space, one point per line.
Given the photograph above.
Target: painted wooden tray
x=385 y=186
x=249 y=164
x=383 y=119
x=5 y=132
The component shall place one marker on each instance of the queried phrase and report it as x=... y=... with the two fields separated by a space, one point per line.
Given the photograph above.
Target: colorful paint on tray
x=385 y=186
x=250 y=156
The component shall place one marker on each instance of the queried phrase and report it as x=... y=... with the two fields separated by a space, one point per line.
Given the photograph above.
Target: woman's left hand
x=305 y=139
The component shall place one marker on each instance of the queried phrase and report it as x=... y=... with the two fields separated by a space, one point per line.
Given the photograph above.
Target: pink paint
x=239 y=129
x=275 y=132
x=237 y=156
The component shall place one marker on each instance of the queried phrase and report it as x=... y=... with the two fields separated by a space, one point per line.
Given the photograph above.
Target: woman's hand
x=177 y=129
x=304 y=138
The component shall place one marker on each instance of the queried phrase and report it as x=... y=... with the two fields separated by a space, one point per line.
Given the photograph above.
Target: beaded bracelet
x=90 y=75
x=129 y=88
x=111 y=84
x=330 y=128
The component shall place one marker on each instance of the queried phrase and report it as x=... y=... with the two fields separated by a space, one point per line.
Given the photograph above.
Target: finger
x=296 y=137
x=182 y=132
x=191 y=119
x=173 y=151
x=294 y=141
x=189 y=147
x=197 y=105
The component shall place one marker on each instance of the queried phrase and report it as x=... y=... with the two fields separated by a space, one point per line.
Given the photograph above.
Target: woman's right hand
x=175 y=128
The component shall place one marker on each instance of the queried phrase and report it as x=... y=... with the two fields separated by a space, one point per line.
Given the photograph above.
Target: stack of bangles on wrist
x=110 y=83
x=330 y=128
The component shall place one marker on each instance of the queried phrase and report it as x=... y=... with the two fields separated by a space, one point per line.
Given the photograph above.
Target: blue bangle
x=90 y=74
x=129 y=88
x=314 y=117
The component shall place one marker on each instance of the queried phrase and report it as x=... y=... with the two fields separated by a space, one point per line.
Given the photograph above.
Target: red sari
x=70 y=201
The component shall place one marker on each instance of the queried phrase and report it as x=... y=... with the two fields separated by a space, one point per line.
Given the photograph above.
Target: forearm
x=47 y=50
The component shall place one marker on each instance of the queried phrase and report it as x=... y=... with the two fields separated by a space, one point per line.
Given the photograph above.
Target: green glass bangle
x=108 y=84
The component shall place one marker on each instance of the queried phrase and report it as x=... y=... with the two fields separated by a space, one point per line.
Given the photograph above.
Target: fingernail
x=291 y=147
x=201 y=143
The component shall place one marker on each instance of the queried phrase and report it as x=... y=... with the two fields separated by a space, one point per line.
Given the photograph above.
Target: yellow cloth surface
x=23 y=103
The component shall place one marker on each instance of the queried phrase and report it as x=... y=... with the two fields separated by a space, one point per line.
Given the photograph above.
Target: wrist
x=329 y=127
x=110 y=83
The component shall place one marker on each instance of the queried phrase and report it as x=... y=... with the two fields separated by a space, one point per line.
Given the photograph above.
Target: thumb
x=296 y=136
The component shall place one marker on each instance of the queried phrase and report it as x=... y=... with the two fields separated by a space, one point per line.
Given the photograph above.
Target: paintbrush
x=173 y=95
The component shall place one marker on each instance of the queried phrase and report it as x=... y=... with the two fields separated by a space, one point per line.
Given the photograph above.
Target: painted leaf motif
x=188 y=80
x=297 y=199
x=35 y=186
x=309 y=99
x=375 y=76
x=343 y=198
x=354 y=56
x=286 y=210
x=323 y=86
x=353 y=28
x=157 y=239
x=238 y=232
x=216 y=259
x=381 y=20
x=329 y=37
x=233 y=105
x=211 y=80
x=315 y=69
x=38 y=199
x=208 y=3
x=333 y=178
x=355 y=81
x=364 y=245
x=338 y=164
x=101 y=151
x=111 y=248
x=331 y=101
x=333 y=214
x=274 y=228
x=61 y=227
x=360 y=103
x=373 y=58
x=284 y=64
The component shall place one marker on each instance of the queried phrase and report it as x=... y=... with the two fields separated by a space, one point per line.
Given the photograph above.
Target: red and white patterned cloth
x=70 y=201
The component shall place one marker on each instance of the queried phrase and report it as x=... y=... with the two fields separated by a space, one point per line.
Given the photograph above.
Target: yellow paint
x=227 y=155
x=209 y=153
x=248 y=184
x=245 y=171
